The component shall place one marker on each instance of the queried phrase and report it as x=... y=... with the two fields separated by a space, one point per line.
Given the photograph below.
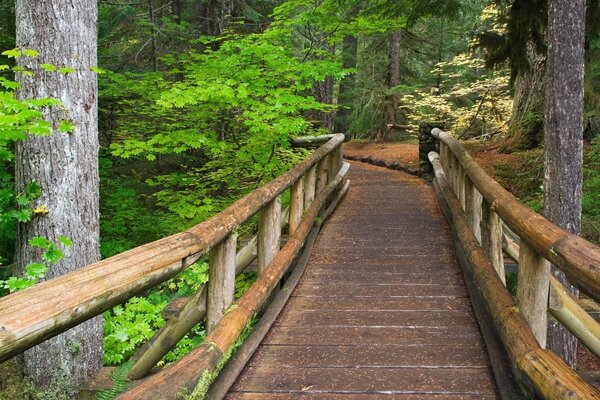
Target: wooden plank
x=351 y=396
x=383 y=279
x=344 y=335
x=341 y=289
x=352 y=303
x=377 y=318
x=458 y=356
x=221 y=281
x=367 y=380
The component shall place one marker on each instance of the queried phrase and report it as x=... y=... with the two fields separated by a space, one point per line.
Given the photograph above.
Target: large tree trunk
x=393 y=100
x=66 y=168
x=563 y=136
x=347 y=84
x=526 y=127
x=324 y=93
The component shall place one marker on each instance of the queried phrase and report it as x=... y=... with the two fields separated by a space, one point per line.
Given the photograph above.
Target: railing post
x=221 y=281
x=310 y=185
x=322 y=174
x=491 y=238
x=461 y=176
x=427 y=144
x=269 y=232
x=532 y=290
x=296 y=205
x=473 y=207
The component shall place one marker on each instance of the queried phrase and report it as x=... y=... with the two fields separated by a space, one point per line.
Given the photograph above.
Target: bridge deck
x=382 y=310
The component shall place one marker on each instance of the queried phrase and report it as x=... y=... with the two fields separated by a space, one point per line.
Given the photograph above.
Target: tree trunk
x=66 y=168
x=153 y=56
x=527 y=123
x=324 y=93
x=347 y=83
x=393 y=100
x=563 y=136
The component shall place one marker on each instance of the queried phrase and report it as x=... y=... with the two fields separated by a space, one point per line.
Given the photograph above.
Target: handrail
x=206 y=359
x=548 y=374
x=575 y=256
x=35 y=314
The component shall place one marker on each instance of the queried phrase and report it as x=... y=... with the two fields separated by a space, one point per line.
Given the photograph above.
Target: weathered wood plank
x=357 y=380
x=368 y=306
x=389 y=356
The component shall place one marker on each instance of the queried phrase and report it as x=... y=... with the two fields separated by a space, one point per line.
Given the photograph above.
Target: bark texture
x=347 y=83
x=563 y=136
x=527 y=124
x=65 y=166
x=393 y=99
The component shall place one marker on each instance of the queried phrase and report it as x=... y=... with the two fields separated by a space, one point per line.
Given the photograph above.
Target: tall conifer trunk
x=563 y=136
x=393 y=100
x=526 y=127
x=65 y=165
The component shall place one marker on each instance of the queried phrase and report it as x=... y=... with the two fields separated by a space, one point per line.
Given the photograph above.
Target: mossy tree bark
x=526 y=127
x=563 y=137
x=65 y=165
x=393 y=99
x=347 y=84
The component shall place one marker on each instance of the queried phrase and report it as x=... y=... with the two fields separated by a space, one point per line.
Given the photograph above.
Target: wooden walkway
x=382 y=310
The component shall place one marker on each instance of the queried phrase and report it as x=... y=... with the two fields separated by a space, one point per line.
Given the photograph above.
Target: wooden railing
x=477 y=208
x=35 y=314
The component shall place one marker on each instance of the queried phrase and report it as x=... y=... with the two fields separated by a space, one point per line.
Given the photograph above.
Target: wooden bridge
x=400 y=294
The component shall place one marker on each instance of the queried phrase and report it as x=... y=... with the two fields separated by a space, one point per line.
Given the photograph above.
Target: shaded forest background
x=198 y=101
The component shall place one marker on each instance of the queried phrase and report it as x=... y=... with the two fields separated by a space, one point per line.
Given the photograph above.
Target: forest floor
x=520 y=173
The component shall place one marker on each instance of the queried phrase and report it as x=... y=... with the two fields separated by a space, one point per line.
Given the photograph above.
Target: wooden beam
x=296 y=205
x=569 y=312
x=549 y=375
x=221 y=281
x=491 y=238
x=269 y=233
x=532 y=291
x=575 y=256
x=310 y=186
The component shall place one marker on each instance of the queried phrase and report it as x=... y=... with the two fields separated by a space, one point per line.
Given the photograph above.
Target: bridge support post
x=427 y=143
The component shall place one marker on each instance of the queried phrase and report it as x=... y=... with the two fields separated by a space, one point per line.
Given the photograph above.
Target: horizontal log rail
x=184 y=375
x=535 y=367
x=35 y=314
x=575 y=256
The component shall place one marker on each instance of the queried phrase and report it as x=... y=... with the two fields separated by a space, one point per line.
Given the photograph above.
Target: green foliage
x=120 y=382
x=127 y=326
x=18 y=119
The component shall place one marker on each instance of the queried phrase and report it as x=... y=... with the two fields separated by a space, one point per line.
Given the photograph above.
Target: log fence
x=488 y=221
x=35 y=314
